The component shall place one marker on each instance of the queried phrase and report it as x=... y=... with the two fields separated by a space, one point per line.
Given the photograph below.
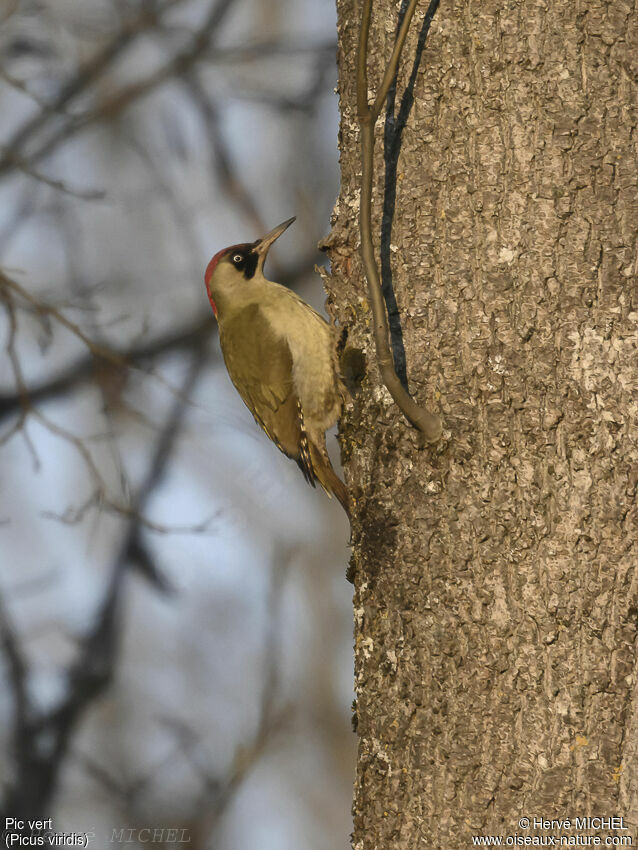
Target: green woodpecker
x=281 y=356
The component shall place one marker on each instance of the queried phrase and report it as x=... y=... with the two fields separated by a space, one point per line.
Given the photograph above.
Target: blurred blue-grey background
x=175 y=622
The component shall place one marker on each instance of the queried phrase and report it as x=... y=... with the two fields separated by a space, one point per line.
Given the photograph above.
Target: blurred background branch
x=139 y=138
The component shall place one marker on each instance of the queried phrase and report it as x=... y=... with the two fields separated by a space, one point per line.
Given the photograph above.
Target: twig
x=46 y=309
x=12 y=5
x=185 y=337
x=73 y=515
x=83 y=369
x=428 y=423
x=97 y=350
x=17 y=670
x=116 y=103
x=87 y=73
x=59 y=185
x=18 y=377
x=37 y=766
x=221 y=161
x=258 y=50
x=271 y=717
x=20 y=86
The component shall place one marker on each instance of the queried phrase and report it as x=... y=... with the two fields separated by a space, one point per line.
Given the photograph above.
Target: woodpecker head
x=231 y=267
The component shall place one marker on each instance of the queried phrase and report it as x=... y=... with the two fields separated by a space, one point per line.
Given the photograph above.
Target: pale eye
x=237 y=259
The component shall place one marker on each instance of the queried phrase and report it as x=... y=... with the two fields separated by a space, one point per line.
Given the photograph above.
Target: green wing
x=260 y=366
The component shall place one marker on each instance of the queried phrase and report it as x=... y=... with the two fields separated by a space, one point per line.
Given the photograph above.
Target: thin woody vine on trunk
x=429 y=424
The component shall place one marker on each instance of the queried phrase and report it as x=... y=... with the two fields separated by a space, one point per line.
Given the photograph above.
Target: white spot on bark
x=497 y=364
x=382 y=756
x=506 y=255
x=367 y=645
x=392 y=660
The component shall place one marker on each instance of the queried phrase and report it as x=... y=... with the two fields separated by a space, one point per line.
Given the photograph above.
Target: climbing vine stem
x=428 y=423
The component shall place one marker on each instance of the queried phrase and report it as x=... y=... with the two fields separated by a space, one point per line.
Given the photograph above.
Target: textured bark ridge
x=496 y=598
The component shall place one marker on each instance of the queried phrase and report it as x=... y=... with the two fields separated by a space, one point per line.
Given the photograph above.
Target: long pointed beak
x=263 y=245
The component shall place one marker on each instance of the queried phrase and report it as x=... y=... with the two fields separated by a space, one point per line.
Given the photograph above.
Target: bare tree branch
x=113 y=105
x=87 y=74
x=42 y=737
x=43 y=308
x=183 y=338
x=274 y=47
x=221 y=160
x=37 y=766
x=59 y=185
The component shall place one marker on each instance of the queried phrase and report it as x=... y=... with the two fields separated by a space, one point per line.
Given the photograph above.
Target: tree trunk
x=495 y=573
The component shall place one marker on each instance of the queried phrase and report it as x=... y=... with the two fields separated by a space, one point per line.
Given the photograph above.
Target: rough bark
x=496 y=596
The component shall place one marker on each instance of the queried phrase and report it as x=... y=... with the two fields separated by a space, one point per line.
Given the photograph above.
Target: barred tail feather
x=328 y=478
x=304 y=461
